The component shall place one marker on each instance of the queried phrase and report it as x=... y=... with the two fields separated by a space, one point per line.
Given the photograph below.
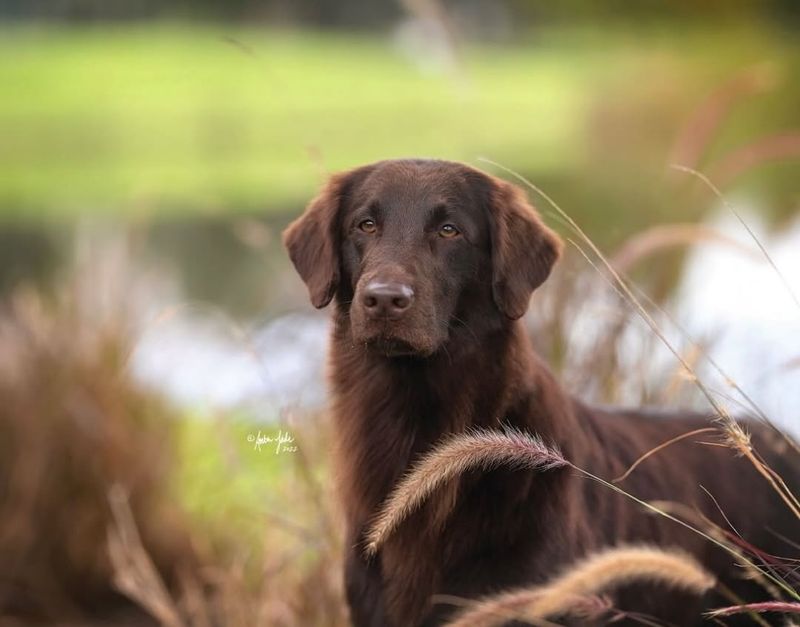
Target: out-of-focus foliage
x=350 y=13
x=72 y=424
x=148 y=119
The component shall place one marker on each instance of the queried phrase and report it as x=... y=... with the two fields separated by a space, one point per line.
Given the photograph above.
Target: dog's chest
x=472 y=532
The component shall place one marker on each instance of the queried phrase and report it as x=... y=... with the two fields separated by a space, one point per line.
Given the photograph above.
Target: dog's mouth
x=387 y=342
x=393 y=339
x=393 y=347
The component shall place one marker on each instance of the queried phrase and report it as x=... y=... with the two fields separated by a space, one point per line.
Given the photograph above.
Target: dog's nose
x=386 y=300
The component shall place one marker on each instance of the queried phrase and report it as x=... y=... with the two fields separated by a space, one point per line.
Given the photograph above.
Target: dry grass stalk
x=697 y=134
x=663 y=236
x=749 y=402
x=73 y=422
x=774 y=479
x=715 y=190
x=724 y=538
x=135 y=575
x=478 y=449
x=738 y=439
x=660 y=447
x=763 y=150
x=598 y=572
x=656 y=507
x=782 y=607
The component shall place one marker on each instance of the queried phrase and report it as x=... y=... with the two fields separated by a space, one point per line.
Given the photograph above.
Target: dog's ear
x=312 y=242
x=523 y=248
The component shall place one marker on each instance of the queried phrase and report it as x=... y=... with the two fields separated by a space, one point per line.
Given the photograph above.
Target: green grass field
x=108 y=118
x=177 y=118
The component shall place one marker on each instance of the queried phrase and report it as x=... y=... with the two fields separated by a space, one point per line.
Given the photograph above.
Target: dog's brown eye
x=448 y=230
x=367 y=226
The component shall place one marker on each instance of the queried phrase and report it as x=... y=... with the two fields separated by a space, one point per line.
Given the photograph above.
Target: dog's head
x=416 y=251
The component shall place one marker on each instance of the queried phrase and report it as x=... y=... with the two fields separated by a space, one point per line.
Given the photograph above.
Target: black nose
x=386 y=300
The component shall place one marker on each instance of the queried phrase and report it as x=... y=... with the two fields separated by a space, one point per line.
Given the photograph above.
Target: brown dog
x=431 y=264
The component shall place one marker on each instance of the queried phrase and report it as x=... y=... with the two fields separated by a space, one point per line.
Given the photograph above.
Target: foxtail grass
x=478 y=449
x=596 y=573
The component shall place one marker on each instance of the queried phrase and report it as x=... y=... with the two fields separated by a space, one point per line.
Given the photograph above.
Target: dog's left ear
x=523 y=248
x=312 y=243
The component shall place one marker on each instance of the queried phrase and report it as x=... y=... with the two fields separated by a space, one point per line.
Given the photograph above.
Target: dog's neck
x=388 y=411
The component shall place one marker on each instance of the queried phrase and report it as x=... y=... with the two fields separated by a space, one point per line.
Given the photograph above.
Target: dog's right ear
x=313 y=242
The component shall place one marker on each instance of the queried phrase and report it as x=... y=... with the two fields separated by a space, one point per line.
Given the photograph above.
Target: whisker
x=464 y=324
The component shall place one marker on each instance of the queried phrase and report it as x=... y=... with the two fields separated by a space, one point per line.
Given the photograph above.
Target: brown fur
x=457 y=359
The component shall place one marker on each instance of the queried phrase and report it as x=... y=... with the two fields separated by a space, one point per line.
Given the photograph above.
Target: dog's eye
x=448 y=230
x=367 y=226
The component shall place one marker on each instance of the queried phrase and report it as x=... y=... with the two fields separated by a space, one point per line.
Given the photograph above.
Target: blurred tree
x=376 y=13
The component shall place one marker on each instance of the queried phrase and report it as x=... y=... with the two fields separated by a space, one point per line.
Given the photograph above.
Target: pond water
x=205 y=362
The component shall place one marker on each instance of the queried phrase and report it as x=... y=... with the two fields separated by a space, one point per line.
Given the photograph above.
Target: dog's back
x=702 y=473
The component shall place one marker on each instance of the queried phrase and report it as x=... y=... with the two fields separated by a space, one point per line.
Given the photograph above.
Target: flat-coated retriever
x=430 y=265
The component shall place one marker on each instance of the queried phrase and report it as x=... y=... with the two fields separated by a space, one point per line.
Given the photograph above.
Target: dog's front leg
x=363 y=587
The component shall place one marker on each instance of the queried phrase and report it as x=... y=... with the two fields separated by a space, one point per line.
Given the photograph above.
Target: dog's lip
x=393 y=347
x=387 y=339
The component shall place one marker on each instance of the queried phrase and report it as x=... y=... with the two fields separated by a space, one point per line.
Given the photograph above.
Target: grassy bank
x=139 y=119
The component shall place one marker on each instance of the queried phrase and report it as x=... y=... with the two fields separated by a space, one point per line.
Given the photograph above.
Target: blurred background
x=154 y=341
